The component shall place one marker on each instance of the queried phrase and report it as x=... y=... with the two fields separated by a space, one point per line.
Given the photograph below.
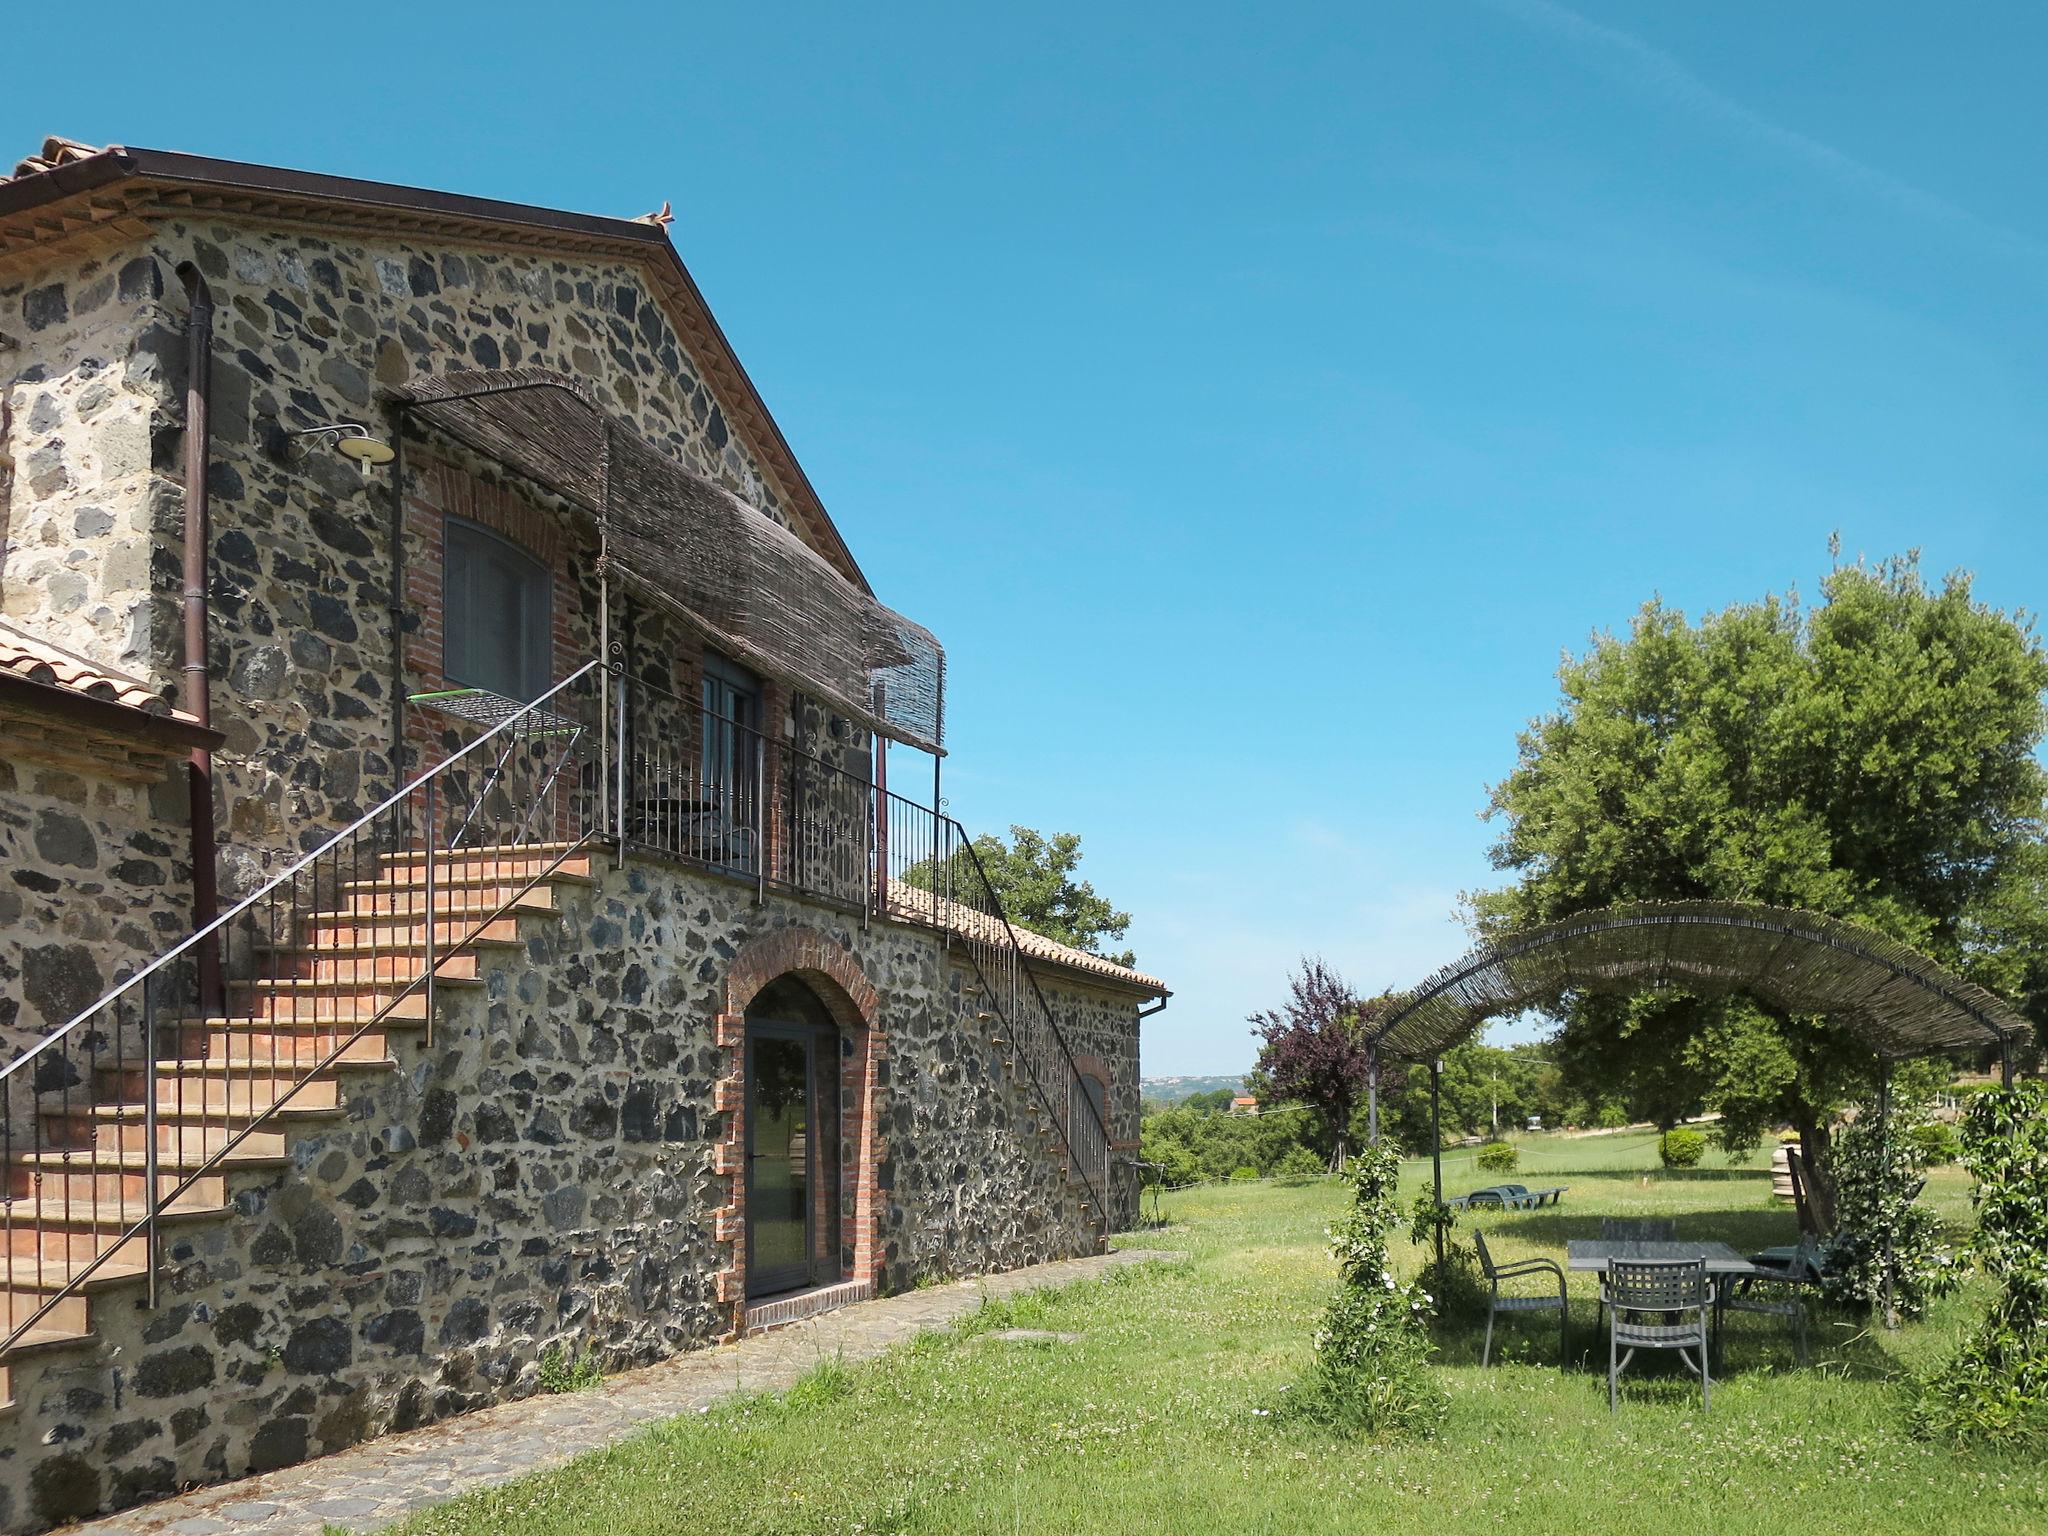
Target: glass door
x=781 y=1149
x=730 y=767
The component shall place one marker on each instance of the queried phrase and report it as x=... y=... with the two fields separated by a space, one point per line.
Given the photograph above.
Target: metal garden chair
x=1780 y=1294
x=1632 y=1229
x=1497 y=1303
x=1634 y=1289
x=1638 y=1229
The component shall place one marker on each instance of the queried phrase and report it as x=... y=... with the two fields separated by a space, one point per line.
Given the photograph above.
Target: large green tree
x=1870 y=757
x=1034 y=876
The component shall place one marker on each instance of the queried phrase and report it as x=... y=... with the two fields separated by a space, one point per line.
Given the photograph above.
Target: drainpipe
x=194 y=692
x=397 y=604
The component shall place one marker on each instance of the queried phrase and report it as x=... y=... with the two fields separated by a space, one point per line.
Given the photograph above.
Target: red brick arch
x=823 y=961
x=832 y=972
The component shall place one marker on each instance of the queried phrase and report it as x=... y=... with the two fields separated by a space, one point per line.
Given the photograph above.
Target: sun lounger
x=1510 y=1197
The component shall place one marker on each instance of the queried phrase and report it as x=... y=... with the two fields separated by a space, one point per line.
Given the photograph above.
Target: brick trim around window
x=436 y=491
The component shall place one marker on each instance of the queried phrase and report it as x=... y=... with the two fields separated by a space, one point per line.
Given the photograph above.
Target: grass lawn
x=1153 y=1422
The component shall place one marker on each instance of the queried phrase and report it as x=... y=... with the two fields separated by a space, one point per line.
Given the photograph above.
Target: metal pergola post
x=1884 y=1114
x=1372 y=1093
x=1436 y=1153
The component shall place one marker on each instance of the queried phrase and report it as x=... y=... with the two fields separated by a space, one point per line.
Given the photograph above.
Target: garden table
x=1723 y=1263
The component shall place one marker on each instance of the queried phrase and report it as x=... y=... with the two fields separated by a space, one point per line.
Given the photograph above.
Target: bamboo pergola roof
x=1893 y=998
x=688 y=545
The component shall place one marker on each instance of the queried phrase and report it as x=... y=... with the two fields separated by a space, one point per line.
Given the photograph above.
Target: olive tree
x=1870 y=757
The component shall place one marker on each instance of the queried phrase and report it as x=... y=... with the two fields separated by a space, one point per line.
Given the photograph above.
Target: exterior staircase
x=136 y=1116
x=231 y=1088
x=1048 y=1140
x=335 y=1003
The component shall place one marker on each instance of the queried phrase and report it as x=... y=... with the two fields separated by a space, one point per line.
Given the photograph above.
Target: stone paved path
x=384 y=1480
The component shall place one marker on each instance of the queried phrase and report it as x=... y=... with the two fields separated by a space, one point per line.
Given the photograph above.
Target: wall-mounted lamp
x=352 y=440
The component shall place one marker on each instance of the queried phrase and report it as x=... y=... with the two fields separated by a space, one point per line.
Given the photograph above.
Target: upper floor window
x=497 y=613
x=732 y=723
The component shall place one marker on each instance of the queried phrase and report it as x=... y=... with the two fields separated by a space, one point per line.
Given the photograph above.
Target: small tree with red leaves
x=1312 y=1049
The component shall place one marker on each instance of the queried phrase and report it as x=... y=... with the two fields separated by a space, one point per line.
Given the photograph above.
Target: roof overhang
x=49 y=723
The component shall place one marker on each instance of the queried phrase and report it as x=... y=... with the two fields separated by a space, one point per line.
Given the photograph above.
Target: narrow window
x=497 y=613
x=732 y=724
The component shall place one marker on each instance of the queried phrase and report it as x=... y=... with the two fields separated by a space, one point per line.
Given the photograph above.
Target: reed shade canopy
x=1895 y=1000
x=685 y=544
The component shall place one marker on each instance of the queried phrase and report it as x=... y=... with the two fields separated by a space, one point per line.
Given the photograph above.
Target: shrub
x=1299 y=1166
x=1499 y=1157
x=1239 y=1175
x=1995 y=1387
x=1878 y=1172
x=1938 y=1143
x=1371 y=1371
x=1171 y=1164
x=559 y=1373
x=1682 y=1148
x=1458 y=1290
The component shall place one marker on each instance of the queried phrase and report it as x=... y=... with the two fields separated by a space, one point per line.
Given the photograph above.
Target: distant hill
x=1172 y=1090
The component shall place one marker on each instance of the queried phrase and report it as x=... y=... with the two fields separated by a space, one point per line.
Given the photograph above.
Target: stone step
x=119 y=1131
x=283 y=1045
x=295 y=999
x=206 y=1198
x=376 y=898
x=45 y=1338
x=28 y=1280
x=372 y=932
x=288 y=1008
x=76 y=1242
x=217 y=1085
x=472 y=888
x=48 y=1176
x=79 y=1230
x=504 y=864
x=365 y=964
x=42 y=1339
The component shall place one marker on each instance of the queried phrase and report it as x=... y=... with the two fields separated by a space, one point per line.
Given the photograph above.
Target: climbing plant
x=1371 y=1373
x=1881 y=1229
x=1994 y=1388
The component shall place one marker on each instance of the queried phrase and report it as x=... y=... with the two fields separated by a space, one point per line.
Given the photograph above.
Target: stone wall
x=307 y=328
x=554 y=1170
x=1101 y=1028
x=81 y=376
x=97 y=879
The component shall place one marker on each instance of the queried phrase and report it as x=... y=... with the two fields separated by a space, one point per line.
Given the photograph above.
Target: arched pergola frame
x=1897 y=1001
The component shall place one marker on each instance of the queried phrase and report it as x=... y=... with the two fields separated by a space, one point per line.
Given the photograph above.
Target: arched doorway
x=792 y=1115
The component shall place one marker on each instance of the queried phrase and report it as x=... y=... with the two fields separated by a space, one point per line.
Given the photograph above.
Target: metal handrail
x=852 y=844
x=30 y=1272
x=776 y=860
x=289 y=873
x=1052 y=1024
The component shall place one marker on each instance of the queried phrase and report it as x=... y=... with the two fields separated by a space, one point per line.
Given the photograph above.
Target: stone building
x=455 y=905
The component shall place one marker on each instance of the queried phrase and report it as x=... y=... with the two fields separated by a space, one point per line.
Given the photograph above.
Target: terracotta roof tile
x=922 y=906
x=55 y=152
x=37 y=660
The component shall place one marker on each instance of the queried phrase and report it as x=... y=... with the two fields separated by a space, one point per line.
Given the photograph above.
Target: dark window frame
x=460 y=607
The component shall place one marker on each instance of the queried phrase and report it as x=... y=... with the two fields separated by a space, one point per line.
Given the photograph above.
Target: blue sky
x=1257 y=400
